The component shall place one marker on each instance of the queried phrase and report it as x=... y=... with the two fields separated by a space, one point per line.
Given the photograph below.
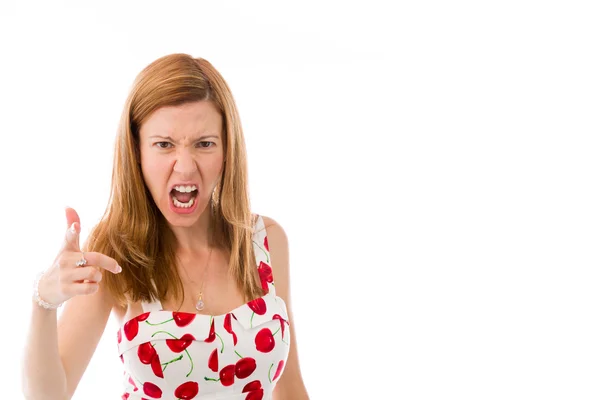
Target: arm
x=290 y=386
x=58 y=352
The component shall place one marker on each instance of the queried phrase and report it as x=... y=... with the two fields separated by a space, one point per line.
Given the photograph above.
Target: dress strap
x=261 y=253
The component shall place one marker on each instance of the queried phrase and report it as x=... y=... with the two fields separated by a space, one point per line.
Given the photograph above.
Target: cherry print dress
x=238 y=355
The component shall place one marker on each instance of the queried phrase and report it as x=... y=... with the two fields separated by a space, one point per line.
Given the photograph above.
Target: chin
x=184 y=217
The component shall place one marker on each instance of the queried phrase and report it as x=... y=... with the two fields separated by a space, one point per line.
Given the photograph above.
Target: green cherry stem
x=186 y=352
x=222 y=344
x=263 y=250
x=238 y=354
x=276 y=331
x=251 y=318
x=285 y=341
x=211 y=379
x=173 y=360
x=191 y=361
x=270 y=372
x=174 y=337
x=159 y=323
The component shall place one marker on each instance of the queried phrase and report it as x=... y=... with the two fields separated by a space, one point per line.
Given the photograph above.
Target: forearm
x=43 y=375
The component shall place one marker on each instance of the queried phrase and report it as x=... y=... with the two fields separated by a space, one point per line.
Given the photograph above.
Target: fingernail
x=119 y=269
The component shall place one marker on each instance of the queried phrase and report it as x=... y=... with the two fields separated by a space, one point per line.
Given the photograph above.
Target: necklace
x=200 y=299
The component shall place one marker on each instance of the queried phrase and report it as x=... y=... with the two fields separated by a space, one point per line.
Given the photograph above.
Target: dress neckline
x=196 y=315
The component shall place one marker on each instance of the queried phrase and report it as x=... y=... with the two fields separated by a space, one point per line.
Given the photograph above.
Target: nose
x=185 y=163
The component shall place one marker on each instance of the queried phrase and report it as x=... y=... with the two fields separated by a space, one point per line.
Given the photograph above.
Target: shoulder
x=273 y=228
x=276 y=237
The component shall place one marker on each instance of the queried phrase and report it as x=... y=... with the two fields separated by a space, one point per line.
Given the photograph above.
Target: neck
x=195 y=239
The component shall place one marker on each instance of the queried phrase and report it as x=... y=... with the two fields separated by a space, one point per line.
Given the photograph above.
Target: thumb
x=73 y=229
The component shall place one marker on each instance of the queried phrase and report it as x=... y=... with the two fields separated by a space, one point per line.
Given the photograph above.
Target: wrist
x=36 y=295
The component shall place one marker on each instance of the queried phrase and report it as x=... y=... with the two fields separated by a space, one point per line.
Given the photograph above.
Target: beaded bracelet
x=38 y=299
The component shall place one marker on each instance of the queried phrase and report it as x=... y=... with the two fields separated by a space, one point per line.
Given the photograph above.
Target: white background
x=435 y=165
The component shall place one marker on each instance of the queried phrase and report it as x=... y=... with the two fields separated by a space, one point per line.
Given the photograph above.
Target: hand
x=64 y=279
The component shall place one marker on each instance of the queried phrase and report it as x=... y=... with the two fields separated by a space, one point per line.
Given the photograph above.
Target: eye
x=165 y=145
x=206 y=147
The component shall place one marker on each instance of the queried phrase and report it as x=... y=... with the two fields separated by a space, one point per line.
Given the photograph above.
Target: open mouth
x=183 y=197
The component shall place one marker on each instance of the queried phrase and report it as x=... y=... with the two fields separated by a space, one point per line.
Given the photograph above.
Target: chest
x=178 y=355
x=211 y=283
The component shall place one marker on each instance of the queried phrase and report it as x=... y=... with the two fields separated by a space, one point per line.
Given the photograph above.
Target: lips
x=183 y=184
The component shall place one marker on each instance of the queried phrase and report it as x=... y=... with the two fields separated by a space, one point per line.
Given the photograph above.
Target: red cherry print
x=156 y=367
x=264 y=340
x=213 y=361
x=146 y=353
x=266 y=275
x=279 y=369
x=227 y=375
x=282 y=322
x=122 y=359
x=187 y=390
x=265 y=272
x=254 y=385
x=227 y=326
x=119 y=336
x=255 y=395
x=227 y=323
x=182 y=318
x=150 y=389
x=211 y=334
x=131 y=329
x=266 y=243
x=125 y=396
x=244 y=367
x=142 y=317
x=179 y=345
x=258 y=306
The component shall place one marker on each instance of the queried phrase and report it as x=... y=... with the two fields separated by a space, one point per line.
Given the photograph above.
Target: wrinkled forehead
x=184 y=123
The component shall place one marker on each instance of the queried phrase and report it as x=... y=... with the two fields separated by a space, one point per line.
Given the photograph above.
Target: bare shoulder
x=274 y=229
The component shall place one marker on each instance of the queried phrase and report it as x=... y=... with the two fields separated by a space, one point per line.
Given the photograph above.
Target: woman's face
x=182 y=147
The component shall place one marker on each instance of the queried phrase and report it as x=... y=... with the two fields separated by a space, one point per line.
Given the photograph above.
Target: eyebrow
x=171 y=139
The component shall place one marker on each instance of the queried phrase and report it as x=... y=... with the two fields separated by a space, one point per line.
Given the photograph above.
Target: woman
x=178 y=258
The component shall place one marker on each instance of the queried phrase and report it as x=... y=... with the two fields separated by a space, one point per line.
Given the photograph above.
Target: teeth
x=183 y=205
x=185 y=189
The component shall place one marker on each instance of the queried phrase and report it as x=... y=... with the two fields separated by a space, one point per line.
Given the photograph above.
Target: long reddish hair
x=133 y=230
